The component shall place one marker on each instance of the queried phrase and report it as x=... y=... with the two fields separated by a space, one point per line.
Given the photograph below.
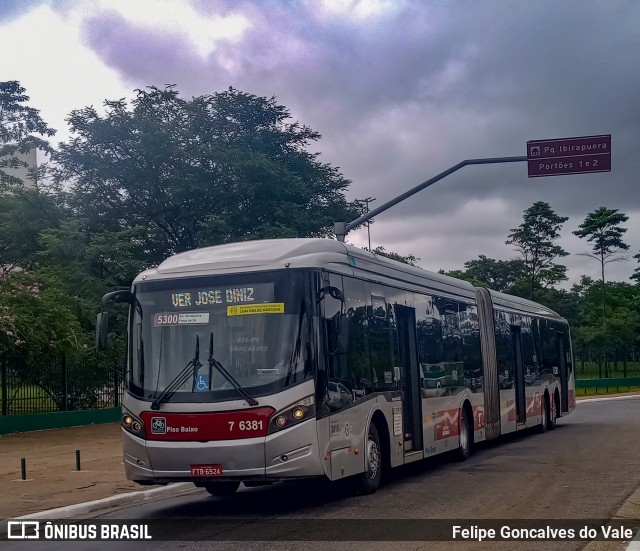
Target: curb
x=589 y=399
x=113 y=501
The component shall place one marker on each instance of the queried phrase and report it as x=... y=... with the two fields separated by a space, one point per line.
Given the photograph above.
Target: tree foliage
x=36 y=316
x=217 y=168
x=408 y=259
x=636 y=271
x=499 y=275
x=24 y=214
x=535 y=241
x=162 y=174
x=602 y=228
x=20 y=129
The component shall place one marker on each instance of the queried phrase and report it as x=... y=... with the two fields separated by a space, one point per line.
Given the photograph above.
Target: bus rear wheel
x=552 y=421
x=369 y=481
x=221 y=489
x=466 y=436
x=544 y=413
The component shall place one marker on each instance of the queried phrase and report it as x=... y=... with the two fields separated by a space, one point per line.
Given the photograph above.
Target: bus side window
x=529 y=359
x=347 y=377
x=470 y=329
x=380 y=314
x=567 y=350
x=504 y=350
x=537 y=346
x=550 y=359
x=358 y=376
x=430 y=346
x=332 y=309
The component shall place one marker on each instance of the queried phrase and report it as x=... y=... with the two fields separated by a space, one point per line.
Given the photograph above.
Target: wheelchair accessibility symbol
x=202 y=383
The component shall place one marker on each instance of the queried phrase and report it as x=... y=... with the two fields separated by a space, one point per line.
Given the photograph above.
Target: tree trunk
x=603 y=289
x=599 y=367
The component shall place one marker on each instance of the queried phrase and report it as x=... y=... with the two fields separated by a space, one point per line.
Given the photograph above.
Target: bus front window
x=257 y=328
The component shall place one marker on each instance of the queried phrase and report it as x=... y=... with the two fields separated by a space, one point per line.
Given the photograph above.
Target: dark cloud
x=144 y=56
x=11 y=9
x=401 y=97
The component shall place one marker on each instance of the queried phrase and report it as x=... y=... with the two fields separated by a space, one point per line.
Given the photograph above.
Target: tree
x=36 y=317
x=409 y=259
x=88 y=264
x=499 y=275
x=24 y=213
x=602 y=228
x=534 y=240
x=613 y=337
x=20 y=126
x=214 y=169
x=636 y=272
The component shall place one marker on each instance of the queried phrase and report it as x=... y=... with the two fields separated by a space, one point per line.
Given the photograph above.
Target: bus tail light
x=293 y=414
x=133 y=425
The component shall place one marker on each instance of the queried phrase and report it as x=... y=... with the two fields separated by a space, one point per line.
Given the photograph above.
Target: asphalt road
x=583 y=470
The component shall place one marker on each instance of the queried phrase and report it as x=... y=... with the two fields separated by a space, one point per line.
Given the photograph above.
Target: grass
x=28 y=399
x=603 y=391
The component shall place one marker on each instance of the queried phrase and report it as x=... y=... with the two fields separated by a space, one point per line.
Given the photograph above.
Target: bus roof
x=278 y=254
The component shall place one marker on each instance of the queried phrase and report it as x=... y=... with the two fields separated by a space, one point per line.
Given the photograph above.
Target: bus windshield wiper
x=189 y=370
x=215 y=363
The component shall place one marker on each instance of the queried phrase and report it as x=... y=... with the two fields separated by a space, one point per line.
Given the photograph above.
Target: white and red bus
x=270 y=360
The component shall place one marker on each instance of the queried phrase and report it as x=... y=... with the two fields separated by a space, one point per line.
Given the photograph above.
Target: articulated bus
x=272 y=360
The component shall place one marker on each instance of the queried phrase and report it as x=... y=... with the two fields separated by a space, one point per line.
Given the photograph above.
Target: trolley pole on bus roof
x=342 y=228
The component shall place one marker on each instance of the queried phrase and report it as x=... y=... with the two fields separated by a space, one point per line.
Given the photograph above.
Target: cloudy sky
x=399 y=91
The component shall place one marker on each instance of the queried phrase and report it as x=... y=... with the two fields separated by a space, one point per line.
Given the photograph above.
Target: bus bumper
x=291 y=453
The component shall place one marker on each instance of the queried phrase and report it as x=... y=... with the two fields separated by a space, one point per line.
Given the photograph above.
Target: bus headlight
x=293 y=414
x=133 y=425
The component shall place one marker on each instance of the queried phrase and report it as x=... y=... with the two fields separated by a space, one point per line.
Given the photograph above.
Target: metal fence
x=601 y=365
x=61 y=385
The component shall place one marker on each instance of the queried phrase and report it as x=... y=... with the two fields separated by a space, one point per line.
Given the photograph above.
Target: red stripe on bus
x=227 y=425
x=448 y=423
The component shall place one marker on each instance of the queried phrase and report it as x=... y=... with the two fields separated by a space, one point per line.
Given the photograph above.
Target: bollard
x=77 y=460
x=23 y=468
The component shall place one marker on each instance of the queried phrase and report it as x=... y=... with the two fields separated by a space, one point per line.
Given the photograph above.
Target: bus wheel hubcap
x=463 y=435
x=373 y=458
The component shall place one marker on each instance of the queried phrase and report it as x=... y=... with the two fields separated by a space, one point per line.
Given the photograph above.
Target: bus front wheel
x=222 y=489
x=369 y=480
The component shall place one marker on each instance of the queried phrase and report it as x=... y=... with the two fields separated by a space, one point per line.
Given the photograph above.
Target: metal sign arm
x=341 y=228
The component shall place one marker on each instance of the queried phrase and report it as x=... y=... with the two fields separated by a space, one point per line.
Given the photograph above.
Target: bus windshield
x=258 y=327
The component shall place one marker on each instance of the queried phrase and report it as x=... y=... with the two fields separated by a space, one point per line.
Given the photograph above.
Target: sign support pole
x=342 y=228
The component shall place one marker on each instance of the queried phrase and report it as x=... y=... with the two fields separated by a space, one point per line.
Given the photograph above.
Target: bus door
x=411 y=380
x=564 y=379
x=521 y=402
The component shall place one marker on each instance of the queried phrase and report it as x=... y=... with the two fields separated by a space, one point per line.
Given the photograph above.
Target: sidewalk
x=52 y=479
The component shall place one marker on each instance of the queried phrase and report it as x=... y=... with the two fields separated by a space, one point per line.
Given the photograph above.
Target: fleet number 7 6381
x=246 y=425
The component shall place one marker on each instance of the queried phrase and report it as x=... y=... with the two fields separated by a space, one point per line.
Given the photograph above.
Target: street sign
x=569 y=156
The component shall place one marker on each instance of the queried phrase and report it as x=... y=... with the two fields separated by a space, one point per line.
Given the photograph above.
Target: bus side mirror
x=123 y=295
x=102 y=330
x=333 y=292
